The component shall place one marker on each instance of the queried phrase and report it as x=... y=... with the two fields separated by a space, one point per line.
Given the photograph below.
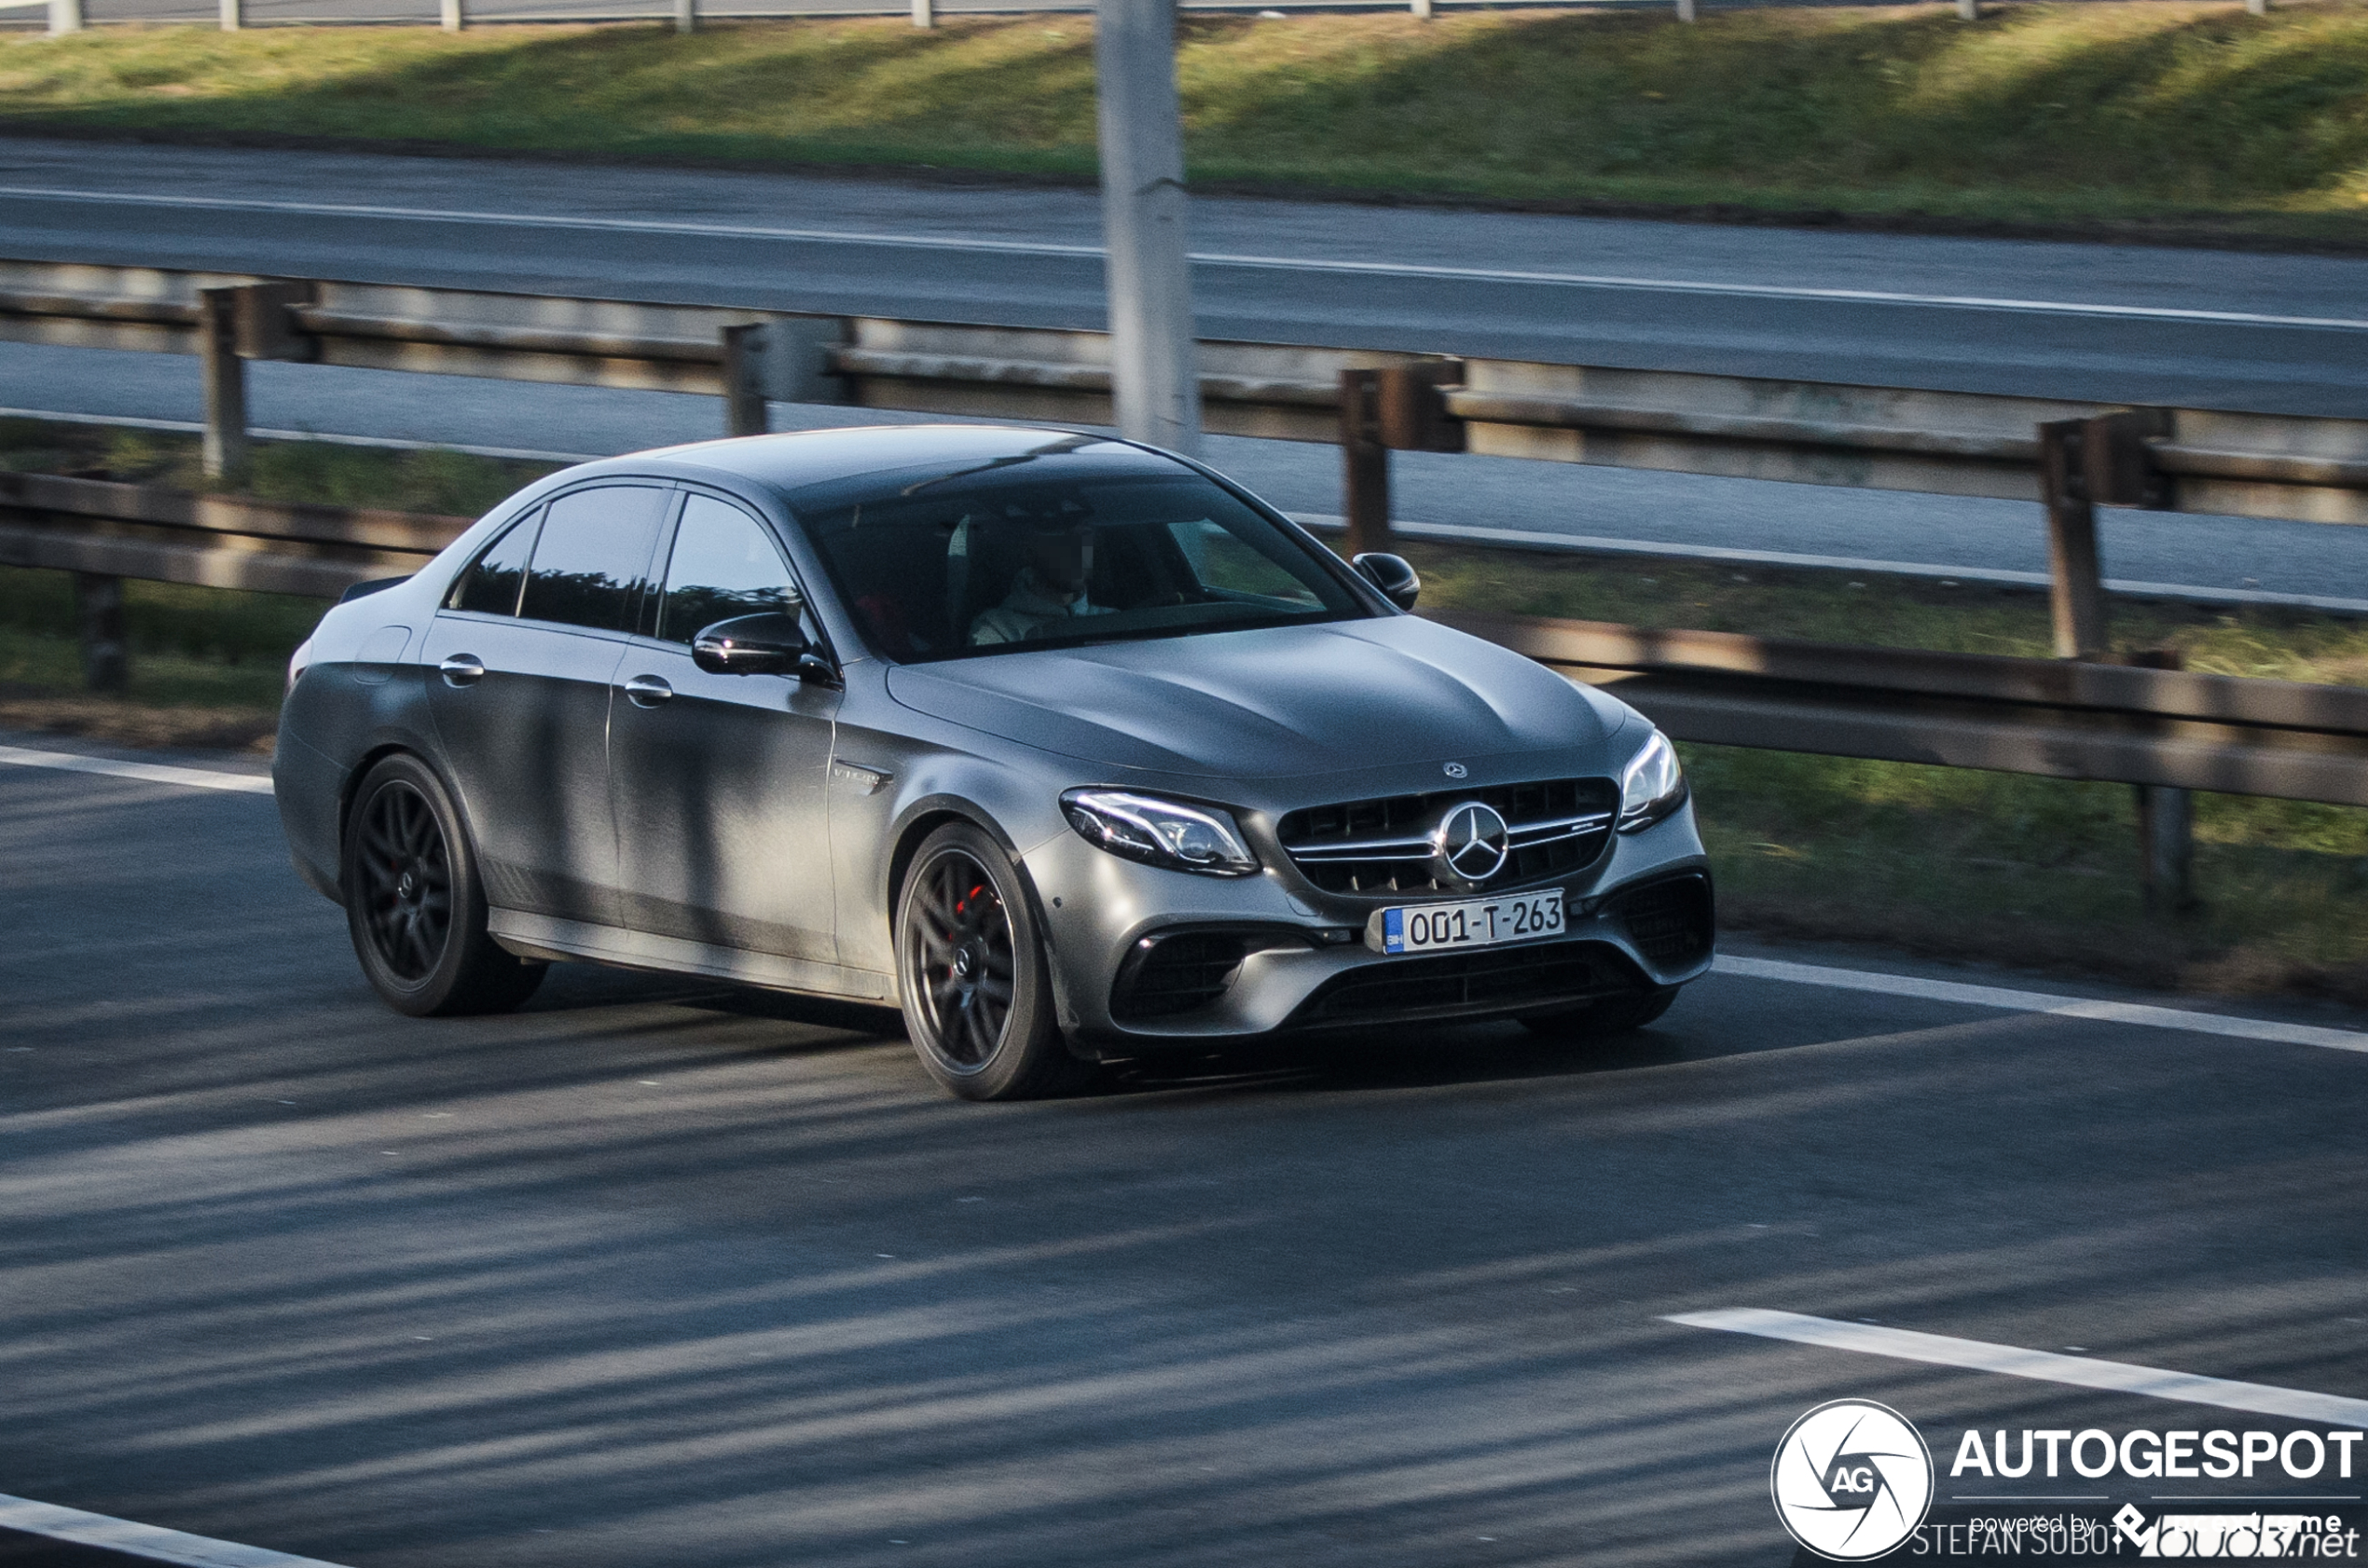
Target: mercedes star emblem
x=1470 y=845
x=1454 y=770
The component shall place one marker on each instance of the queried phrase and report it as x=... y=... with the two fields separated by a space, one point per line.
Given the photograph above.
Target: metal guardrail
x=2164 y=731
x=105 y=528
x=2195 y=460
x=2053 y=718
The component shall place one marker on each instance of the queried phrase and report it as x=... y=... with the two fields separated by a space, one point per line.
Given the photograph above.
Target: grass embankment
x=1959 y=863
x=2162 y=111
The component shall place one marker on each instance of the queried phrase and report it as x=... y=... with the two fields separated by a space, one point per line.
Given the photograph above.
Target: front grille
x=1383 y=846
x=1670 y=922
x=1450 y=982
x=1166 y=975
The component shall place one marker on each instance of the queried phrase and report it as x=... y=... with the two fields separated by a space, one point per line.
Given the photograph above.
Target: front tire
x=972 y=974
x=415 y=903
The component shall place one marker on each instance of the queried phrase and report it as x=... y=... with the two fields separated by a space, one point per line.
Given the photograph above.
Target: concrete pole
x=1969 y=10
x=234 y=15
x=925 y=13
x=1422 y=9
x=66 y=16
x=1154 y=376
x=2256 y=8
x=455 y=15
x=686 y=16
x=1684 y=11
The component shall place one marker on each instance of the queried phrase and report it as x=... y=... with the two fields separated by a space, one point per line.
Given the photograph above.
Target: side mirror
x=770 y=643
x=1392 y=575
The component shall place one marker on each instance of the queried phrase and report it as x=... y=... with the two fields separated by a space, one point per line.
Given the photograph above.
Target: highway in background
x=2276 y=333
x=655 y=1273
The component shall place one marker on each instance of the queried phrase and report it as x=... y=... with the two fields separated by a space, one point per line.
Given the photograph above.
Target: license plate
x=1427 y=927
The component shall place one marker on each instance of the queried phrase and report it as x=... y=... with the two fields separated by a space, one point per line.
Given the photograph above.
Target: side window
x=724 y=565
x=491 y=585
x=593 y=558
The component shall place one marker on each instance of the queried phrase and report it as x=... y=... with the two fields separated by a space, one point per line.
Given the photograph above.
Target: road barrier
x=2058 y=719
x=2068 y=456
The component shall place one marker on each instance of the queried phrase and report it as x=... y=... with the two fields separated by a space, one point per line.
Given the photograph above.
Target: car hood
x=1274 y=702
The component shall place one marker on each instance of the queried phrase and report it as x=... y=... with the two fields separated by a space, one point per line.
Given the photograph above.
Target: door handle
x=462 y=669
x=647 y=691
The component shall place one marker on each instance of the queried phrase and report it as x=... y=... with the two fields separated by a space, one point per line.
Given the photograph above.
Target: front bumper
x=1269 y=954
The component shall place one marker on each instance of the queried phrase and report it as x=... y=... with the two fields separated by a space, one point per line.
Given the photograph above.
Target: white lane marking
x=146 y=773
x=148 y=1541
x=1206 y=258
x=2116 y=1377
x=1537 y=539
x=391 y=443
x=2042 y=1001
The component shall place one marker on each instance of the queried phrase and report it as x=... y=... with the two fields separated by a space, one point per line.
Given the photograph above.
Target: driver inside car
x=1049 y=590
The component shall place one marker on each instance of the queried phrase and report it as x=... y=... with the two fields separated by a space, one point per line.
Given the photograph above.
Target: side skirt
x=543 y=936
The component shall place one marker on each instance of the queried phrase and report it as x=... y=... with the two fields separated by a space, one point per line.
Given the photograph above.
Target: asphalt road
x=655 y=1273
x=1026 y=256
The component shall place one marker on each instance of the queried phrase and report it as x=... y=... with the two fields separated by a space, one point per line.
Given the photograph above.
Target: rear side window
x=491 y=585
x=593 y=556
x=724 y=565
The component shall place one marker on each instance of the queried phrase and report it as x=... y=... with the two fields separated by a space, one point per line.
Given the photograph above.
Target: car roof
x=795 y=461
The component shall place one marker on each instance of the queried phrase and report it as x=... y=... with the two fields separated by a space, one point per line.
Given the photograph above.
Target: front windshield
x=1028 y=556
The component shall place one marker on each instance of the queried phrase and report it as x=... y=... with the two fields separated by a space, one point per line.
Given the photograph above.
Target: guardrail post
x=66 y=16
x=234 y=15
x=1969 y=10
x=455 y=15
x=2256 y=8
x=686 y=16
x=226 y=383
x=1364 y=462
x=2166 y=826
x=743 y=381
x=1422 y=9
x=98 y=621
x=2077 y=591
x=1684 y=11
x=924 y=13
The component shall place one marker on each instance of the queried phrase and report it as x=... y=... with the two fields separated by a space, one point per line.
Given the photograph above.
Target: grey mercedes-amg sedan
x=1072 y=747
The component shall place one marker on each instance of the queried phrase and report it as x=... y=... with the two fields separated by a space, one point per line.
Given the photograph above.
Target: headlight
x=1158 y=832
x=1651 y=786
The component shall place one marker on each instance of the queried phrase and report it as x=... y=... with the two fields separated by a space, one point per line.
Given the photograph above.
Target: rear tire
x=415 y=903
x=1613 y=1015
x=971 y=975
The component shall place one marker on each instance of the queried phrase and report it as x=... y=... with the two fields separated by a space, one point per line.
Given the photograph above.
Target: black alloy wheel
x=406 y=889
x=962 y=953
x=970 y=968
x=415 y=904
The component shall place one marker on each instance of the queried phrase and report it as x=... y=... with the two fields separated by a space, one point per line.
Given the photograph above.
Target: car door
x=526 y=649
x=719 y=781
